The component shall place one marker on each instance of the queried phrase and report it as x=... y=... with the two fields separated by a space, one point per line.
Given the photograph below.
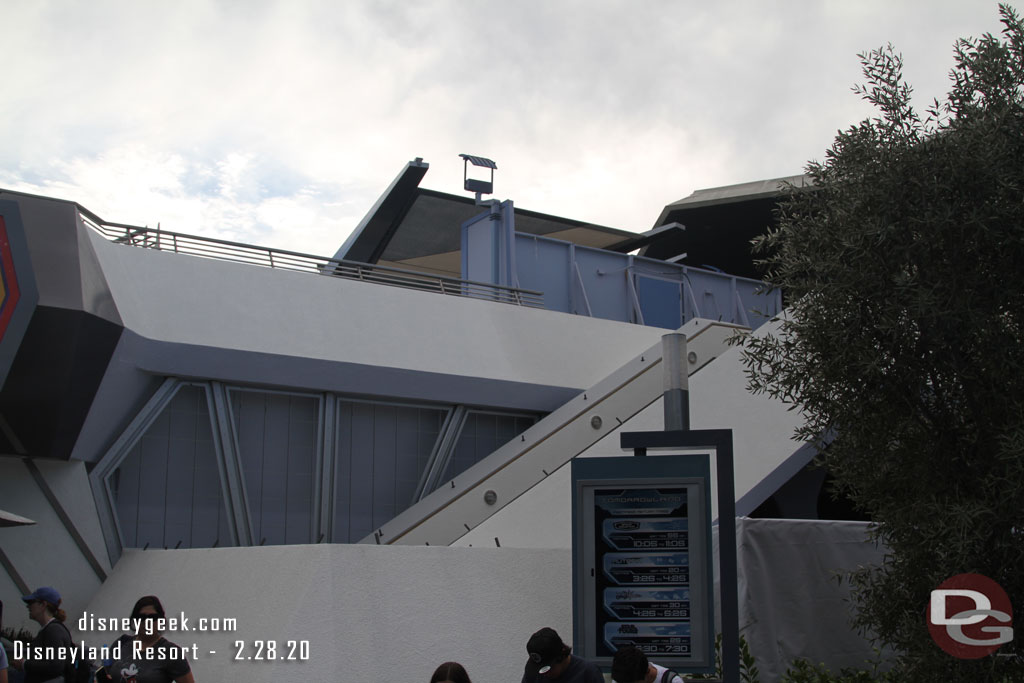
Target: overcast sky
x=280 y=123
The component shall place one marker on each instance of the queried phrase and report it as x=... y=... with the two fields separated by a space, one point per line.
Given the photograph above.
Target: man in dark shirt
x=552 y=661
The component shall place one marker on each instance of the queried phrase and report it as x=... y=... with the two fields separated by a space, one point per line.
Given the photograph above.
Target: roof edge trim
x=368 y=241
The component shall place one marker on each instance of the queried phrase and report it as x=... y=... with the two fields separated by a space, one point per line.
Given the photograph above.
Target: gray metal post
x=721 y=441
x=676 y=382
x=728 y=563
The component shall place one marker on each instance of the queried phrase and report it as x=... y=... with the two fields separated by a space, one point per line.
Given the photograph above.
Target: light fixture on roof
x=477 y=185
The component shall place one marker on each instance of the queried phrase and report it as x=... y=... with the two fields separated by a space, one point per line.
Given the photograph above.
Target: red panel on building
x=9 y=291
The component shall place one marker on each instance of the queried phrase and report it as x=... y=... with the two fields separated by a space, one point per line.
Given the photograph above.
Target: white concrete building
x=251 y=433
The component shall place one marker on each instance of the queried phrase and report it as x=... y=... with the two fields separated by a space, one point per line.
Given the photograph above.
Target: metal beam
x=450 y=512
x=231 y=477
x=65 y=519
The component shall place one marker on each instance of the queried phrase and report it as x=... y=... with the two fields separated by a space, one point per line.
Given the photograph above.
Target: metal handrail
x=282 y=259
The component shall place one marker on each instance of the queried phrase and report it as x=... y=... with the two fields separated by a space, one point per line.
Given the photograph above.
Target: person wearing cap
x=44 y=608
x=552 y=661
x=630 y=665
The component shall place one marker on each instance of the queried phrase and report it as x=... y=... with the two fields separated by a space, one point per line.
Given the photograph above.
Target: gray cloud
x=284 y=120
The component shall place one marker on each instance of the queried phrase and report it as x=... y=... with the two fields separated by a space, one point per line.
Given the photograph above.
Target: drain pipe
x=676 y=382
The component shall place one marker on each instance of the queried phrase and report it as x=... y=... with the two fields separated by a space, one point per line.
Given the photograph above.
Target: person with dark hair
x=450 y=672
x=552 y=661
x=44 y=608
x=131 y=669
x=630 y=665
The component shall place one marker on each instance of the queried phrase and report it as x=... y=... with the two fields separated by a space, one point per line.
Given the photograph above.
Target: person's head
x=147 y=608
x=549 y=656
x=450 y=672
x=630 y=665
x=44 y=604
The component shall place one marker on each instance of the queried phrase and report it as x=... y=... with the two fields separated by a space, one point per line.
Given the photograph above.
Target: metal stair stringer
x=461 y=504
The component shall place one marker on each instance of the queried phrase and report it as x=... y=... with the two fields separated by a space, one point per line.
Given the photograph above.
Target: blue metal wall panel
x=169 y=487
x=341 y=529
x=382 y=451
x=125 y=484
x=601 y=283
x=180 y=472
x=660 y=302
x=153 y=456
x=480 y=249
x=167 y=490
x=303 y=419
x=544 y=266
x=271 y=463
x=361 y=457
x=248 y=410
x=385 y=465
x=482 y=434
x=407 y=446
x=761 y=305
x=604 y=279
x=276 y=435
x=208 y=501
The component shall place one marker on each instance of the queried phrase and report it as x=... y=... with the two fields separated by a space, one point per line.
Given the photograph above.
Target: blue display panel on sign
x=641 y=560
x=644 y=542
x=643 y=534
x=634 y=603
x=651 y=638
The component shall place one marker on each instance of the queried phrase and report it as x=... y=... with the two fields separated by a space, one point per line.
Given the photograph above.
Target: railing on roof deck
x=224 y=250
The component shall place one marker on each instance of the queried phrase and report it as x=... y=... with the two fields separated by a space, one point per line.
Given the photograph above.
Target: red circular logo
x=969 y=616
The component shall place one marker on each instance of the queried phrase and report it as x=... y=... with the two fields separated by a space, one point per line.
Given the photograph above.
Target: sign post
x=642 y=554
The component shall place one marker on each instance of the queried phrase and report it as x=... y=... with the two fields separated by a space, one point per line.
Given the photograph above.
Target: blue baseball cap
x=45 y=593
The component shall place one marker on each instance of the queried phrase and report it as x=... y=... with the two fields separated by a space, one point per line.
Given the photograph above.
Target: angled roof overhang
x=418 y=228
x=378 y=227
x=719 y=224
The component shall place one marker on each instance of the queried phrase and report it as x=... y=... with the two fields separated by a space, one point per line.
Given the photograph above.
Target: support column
x=676 y=383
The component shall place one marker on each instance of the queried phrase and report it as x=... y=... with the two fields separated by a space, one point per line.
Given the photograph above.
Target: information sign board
x=642 y=561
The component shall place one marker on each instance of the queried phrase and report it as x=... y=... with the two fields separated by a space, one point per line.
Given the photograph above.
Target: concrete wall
x=171 y=297
x=396 y=612
x=764 y=455
x=368 y=612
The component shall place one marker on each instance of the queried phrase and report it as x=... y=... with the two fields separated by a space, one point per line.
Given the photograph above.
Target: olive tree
x=903 y=344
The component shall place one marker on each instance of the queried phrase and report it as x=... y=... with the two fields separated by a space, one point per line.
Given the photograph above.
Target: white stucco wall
x=368 y=612
x=762 y=441
x=171 y=297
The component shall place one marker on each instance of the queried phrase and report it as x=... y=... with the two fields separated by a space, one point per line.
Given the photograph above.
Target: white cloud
x=280 y=122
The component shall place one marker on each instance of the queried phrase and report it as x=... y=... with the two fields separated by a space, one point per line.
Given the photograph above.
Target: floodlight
x=479 y=186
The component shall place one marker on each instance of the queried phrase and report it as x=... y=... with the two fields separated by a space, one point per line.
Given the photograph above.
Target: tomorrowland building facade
x=379 y=437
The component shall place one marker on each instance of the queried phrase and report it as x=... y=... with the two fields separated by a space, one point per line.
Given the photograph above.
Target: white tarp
x=791 y=603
